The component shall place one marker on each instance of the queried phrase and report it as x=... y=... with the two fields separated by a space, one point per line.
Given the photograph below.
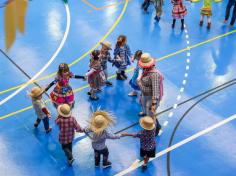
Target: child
x=105 y=56
x=158 y=6
x=133 y=82
x=67 y=125
x=227 y=13
x=63 y=93
x=122 y=55
x=98 y=133
x=179 y=12
x=206 y=10
x=96 y=77
x=40 y=108
x=147 y=139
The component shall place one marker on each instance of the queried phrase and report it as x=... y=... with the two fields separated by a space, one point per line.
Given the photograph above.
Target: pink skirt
x=62 y=95
x=179 y=12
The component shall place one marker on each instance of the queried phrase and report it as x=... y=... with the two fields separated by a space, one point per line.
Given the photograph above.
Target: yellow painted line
x=104 y=7
x=128 y=71
x=80 y=58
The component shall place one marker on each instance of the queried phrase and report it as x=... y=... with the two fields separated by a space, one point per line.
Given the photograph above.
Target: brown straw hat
x=35 y=92
x=100 y=121
x=147 y=123
x=146 y=61
x=106 y=44
x=64 y=110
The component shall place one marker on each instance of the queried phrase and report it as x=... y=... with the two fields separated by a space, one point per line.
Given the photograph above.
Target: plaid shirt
x=149 y=84
x=147 y=139
x=67 y=126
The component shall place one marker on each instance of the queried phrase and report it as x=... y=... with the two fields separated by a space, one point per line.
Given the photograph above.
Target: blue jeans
x=227 y=13
x=45 y=122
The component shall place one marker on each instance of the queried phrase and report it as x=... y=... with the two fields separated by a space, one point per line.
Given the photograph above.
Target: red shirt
x=67 y=126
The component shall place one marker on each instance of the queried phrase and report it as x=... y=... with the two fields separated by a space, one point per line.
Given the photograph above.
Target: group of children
x=179 y=11
x=97 y=130
x=62 y=97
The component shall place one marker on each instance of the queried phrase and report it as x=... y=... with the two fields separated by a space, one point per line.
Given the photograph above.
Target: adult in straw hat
x=40 y=108
x=151 y=86
x=147 y=139
x=105 y=57
x=67 y=125
x=98 y=132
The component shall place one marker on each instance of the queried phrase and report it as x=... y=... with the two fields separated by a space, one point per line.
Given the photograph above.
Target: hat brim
x=98 y=130
x=35 y=96
x=145 y=127
x=61 y=114
x=103 y=44
x=146 y=65
x=108 y=121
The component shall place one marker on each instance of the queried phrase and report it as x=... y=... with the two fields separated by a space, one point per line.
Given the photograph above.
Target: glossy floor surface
x=198 y=65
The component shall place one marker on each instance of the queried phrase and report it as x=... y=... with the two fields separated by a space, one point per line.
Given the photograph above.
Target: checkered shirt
x=67 y=126
x=149 y=85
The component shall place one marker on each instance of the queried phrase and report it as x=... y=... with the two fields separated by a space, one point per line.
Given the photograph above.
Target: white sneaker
x=133 y=94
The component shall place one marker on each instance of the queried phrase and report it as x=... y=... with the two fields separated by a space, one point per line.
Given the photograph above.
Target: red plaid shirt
x=67 y=126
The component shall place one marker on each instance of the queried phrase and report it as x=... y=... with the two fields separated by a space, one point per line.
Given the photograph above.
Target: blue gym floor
x=193 y=61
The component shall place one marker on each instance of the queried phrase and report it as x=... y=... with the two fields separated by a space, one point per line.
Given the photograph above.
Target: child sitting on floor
x=147 y=139
x=40 y=108
x=98 y=133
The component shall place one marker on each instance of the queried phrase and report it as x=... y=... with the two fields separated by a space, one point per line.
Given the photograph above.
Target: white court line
x=48 y=63
x=179 y=144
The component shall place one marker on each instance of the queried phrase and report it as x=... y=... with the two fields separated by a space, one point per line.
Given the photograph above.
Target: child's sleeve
x=45 y=111
x=91 y=71
x=87 y=131
x=58 y=120
x=109 y=58
x=76 y=126
x=138 y=135
x=128 y=51
x=51 y=84
x=110 y=135
x=76 y=76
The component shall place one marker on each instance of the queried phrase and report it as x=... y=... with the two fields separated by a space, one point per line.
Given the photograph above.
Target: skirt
x=97 y=80
x=150 y=154
x=61 y=95
x=133 y=82
x=206 y=11
x=179 y=12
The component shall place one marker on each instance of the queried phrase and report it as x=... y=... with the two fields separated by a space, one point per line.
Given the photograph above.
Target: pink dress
x=179 y=10
x=62 y=93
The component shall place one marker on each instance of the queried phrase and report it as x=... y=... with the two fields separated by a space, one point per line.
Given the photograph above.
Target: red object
x=67 y=126
x=45 y=111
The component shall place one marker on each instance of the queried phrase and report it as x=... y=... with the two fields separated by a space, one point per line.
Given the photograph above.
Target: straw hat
x=106 y=44
x=64 y=110
x=146 y=61
x=100 y=121
x=35 y=92
x=147 y=123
